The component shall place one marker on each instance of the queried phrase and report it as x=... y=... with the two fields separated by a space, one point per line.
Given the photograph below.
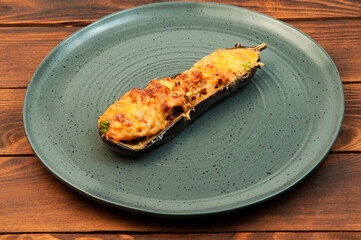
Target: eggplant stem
x=260 y=47
x=257 y=48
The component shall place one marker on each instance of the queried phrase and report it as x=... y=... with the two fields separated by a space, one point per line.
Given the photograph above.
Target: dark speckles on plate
x=248 y=147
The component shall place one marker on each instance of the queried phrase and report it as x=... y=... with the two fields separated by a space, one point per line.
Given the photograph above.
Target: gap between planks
x=48 y=24
x=87 y=22
x=175 y=232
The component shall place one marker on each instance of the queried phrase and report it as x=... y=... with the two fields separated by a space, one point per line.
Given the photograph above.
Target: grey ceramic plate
x=247 y=148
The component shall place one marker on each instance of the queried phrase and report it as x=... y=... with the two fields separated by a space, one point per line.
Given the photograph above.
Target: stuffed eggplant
x=144 y=119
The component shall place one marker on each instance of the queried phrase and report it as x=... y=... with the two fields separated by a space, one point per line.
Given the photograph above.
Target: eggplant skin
x=178 y=124
x=176 y=127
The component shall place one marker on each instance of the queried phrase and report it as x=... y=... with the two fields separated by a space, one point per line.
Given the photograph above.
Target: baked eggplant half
x=144 y=119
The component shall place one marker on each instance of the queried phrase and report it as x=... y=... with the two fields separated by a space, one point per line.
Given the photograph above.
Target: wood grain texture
x=349 y=138
x=25 y=48
x=50 y=11
x=341 y=40
x=32 y=200
x=209 y=236
x=12 y=133
x=325 y=205
x=13 y=139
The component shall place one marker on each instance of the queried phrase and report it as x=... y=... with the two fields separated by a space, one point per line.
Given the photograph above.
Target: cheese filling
x=142 y=113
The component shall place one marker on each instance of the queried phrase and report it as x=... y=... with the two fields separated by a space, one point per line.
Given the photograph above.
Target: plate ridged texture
x=250 y=146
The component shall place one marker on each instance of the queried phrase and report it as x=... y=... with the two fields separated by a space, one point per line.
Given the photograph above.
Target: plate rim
x=205 y=211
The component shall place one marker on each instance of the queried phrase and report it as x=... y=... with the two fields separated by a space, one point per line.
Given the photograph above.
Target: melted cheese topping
x=142 y=113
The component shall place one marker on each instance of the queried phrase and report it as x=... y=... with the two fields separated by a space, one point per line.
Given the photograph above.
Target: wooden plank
x=25 y=48
x=32 y=11
x=206 y=236
x=349 y=138
x=32 y=200
x=341 y=40
x=12 y=133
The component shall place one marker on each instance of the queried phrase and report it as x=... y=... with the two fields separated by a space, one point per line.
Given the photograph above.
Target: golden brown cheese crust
x=142 y=113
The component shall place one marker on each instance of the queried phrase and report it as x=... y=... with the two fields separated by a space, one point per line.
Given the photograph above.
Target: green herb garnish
x=104 y=125
x=171 y=88
x=247 y=66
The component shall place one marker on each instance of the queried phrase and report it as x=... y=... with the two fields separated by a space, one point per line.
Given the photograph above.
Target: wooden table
x=33 y=204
